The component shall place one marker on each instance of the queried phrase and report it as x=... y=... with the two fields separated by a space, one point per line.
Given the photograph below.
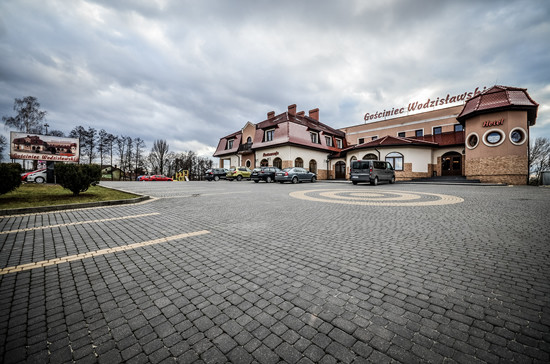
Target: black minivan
x=215 y=174
x=371 y=171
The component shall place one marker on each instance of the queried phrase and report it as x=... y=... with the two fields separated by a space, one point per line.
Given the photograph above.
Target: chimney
x=301 y=113
x=270 y=114
x=292 y=109
x=314 y=114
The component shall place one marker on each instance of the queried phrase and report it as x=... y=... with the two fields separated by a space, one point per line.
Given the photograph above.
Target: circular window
x=493 y=138
x=248 y=163
x=472 y=141
x=517 y=136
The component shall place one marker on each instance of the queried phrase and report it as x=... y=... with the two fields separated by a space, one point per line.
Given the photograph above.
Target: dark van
x=371 y=171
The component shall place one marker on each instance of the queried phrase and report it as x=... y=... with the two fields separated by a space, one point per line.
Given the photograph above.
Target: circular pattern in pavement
x=378 y=198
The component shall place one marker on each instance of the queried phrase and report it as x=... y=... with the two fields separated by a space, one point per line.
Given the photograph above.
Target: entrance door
x=340 y=170
x=451 y=164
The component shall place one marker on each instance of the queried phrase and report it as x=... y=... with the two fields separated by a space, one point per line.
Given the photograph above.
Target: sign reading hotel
x=421 y=105
x=43 y=147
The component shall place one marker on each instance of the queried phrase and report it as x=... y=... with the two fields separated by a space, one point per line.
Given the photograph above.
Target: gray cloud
x=191 y=72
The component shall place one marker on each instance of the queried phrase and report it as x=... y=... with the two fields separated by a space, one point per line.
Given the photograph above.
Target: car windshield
x=287 y=169
x=256 y=170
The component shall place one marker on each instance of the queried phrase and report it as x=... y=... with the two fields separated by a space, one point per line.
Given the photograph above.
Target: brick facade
x=490 y=169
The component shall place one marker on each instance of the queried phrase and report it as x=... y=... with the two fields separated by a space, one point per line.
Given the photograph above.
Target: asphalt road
x=214 y=272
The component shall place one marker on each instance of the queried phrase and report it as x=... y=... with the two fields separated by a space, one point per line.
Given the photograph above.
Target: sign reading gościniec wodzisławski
x=43 y=147
x=415 y=106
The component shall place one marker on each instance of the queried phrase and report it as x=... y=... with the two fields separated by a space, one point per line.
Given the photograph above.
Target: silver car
x=371 y=171
x=295 y=175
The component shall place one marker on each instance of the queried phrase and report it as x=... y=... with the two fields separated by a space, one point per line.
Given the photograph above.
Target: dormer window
x=230 y=144
x=268 y=135
x=328 y=140
x=339 y=143
x=314 y=137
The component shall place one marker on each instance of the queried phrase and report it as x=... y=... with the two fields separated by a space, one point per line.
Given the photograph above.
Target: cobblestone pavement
x=216 y=272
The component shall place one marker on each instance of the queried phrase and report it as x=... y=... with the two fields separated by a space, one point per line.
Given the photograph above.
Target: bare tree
x=3 y=146
x=121 y=150
x=139 y=146
x=90 y=144
x=29 y=116
x=539 y=157
x=57 y=133
x=158 y=155
x=79 y=133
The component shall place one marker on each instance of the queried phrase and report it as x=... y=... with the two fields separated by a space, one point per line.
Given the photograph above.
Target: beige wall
x=288 y=155
x=249 y=130
x=503 y=163
x=446 y=118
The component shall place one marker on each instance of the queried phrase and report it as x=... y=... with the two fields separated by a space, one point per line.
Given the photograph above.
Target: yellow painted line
x=70 y=258
x=151 y=199
x=78 y=223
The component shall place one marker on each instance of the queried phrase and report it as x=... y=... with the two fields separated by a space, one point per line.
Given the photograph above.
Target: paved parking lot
x=240 y=272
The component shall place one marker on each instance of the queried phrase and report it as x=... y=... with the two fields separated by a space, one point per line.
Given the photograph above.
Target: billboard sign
x=43 y=147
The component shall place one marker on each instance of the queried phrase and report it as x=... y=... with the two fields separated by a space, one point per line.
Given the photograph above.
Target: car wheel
x=375 y=182
x=313 y=179
x=39 y=180
x=256 y=180
x=354 y=183
x=216 y=178
x=295 y=180
x=239 y=178
x=392 y=180
x=268 y=179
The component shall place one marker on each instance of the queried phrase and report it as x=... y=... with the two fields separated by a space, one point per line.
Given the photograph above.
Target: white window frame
x=339 y=143
x=267 y=132
x=314 y=137
x=328 y=141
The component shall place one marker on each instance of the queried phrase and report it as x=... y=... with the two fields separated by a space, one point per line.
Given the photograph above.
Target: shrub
x=77 y=177
x=11 y=177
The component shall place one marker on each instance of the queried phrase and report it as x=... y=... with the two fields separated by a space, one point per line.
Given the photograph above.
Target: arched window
x=313 y=166
x=370 y=156
x=264 y=163
x=248 y=163
x=299 y=162
x=278 y=162
x=249 y=140
x=396 y=160
x=353 y=158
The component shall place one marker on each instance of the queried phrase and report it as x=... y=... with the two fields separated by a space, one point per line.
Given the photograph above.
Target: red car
x=156 y=177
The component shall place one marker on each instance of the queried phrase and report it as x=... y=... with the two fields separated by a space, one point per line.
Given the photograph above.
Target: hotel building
x=485 y=138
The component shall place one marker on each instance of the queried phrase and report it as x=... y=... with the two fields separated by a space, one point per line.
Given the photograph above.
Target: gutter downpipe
x=378 y=153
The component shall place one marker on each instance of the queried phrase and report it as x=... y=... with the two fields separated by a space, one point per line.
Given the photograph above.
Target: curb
x=37 y=210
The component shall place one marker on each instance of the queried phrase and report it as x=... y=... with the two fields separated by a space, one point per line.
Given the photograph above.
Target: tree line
x=99 y=146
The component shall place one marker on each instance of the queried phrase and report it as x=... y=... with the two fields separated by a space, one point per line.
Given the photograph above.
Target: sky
x=191 y=72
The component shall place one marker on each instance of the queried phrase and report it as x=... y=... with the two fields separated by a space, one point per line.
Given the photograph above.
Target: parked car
x=371 y=171
x=216 y=174
x=238 y=173
x=156 y=177
x=38 y=176
x=264 y=174
x=295 y=175
x=141 y=178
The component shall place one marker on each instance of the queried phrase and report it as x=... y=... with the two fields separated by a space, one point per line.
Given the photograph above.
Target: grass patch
x=35 y=195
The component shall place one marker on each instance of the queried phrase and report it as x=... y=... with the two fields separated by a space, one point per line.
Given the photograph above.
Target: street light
x=46 y=125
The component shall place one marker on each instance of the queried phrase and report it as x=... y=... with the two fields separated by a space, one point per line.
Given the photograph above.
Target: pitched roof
x=388 y=140
x=499 y=98
x=299 y=119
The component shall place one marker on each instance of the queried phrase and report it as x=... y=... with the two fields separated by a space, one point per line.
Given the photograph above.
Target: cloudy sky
x=191 y=72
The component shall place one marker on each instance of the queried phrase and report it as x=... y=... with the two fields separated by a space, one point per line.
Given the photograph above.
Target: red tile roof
x=499 y=98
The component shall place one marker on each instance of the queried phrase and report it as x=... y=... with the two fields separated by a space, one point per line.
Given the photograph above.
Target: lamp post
x=46 y=126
